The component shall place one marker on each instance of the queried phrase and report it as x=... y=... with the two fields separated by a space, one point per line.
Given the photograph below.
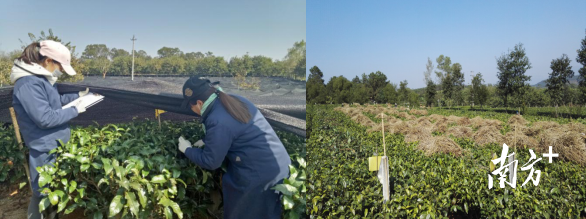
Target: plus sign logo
x=550 y=155
x=508 y=164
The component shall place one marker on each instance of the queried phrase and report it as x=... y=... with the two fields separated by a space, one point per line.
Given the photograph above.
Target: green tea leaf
x=53 y=198
x=168 y=213
x=168 y=203
x=115 y=206
x=44 y=179
x=83 y=159
x=107 y=166
x=132 y=203
x=288 y=202
x=285 y=189
x=63 y=203
x=44 y=204
x=158 y=179
x=72 y=186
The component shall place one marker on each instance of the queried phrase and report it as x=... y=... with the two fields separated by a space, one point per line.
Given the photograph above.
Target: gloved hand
x=199 y=144
x=83 y=93
x=183 y=144
x=80 y=107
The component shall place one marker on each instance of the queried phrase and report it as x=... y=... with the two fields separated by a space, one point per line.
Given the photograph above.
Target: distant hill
x=573 y=81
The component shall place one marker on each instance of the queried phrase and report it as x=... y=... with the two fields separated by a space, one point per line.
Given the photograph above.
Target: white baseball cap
x=59 y=53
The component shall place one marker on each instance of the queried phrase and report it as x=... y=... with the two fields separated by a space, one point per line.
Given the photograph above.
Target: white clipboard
x=87 y=101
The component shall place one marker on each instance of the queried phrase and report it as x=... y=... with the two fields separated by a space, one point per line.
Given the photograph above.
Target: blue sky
x=227 y=28
x=396 y=37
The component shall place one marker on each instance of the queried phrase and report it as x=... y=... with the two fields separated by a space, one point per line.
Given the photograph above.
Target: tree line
x=445 y=85
x=99 y=59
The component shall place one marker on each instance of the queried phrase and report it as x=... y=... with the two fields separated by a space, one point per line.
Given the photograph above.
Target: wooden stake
x=159 y=121
x=383 y=125
x=19 y=140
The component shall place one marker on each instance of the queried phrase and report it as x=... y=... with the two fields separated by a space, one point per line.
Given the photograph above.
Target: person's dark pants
x=37 y=159
x=255 y=202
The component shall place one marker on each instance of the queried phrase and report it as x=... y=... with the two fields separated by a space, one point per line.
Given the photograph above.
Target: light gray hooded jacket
x=38 y=104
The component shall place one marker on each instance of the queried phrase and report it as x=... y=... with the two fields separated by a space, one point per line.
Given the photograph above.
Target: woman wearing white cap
x=38 y=106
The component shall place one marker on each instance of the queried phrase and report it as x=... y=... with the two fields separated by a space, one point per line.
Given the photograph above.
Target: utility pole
x=472 y=90
x=132 y=73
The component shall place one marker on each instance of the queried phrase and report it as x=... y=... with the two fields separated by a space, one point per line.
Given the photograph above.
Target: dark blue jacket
x=38 y=109
x=256 y=158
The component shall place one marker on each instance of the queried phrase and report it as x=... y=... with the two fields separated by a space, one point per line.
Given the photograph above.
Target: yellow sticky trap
x=374 y=163
x=158 y=112
x=492 y=166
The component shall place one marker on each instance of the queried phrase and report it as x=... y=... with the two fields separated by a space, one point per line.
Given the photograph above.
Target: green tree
x=142 y=54
x=300 y=69
x=212 y=65
x=168 y=52
x=479 y=90
x=430 y=91
x=315 y=86
x=444 y=65
x=451 y=79
x=114 y=53
x=428 y=71
x=194 y=55
x=559 y=77
x=341 y=89
x=173 y=65
x=375 y=82
x=387 y=94
x=536 y=97
x=356 y=80
x=359 y=93
x=95 y=51
x=294 y=55
x=403 y=92
x=121 y=65
x=511 y=73
x=97 y=59
x=413 y=100
x=581 y=58
x=263 y=66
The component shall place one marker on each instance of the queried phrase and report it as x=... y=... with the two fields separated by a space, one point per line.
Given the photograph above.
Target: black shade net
x=122 y=106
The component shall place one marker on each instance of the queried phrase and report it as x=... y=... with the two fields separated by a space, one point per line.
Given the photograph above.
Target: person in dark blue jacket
x=38 y=106
x=237 y=132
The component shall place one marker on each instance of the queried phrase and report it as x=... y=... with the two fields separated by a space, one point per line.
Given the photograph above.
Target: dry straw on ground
x=568 y=140
x=514 y=139
x=458 y=120
x=488 y=134
x=406 y=116
x=460 y=132
x=435 y=117
x=439 y=144
x=424 y=121
x=565 y=140
x=478 y=122
x=517 y=120
x=538 y=127
x=418 y=112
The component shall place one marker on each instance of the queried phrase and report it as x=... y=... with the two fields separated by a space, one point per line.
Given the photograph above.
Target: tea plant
x=134 y=170
x=293 y=190
x=11 y=158
x=339 y=184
